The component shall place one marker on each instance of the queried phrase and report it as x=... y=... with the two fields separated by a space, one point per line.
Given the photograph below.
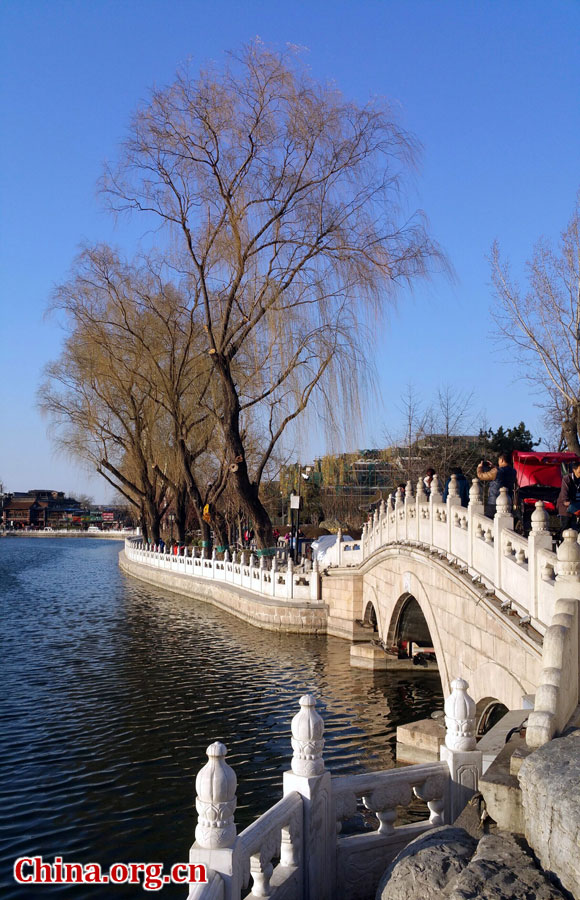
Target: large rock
x=427 y=865
x=448 y=863
x=550 y=783
x=501 y=870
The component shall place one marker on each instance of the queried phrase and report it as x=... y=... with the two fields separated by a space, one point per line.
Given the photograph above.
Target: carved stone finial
x=398 y=497
x=453 y=487
x=307 y=739
x=382 y=508
x=409 y=492
x=421 y=495
x=390 y=502
x=436 y=494
x=503 y=504
x=475 y=494
x=540 y=519
x=568 y=553
x=460 y=717
x=215 y=802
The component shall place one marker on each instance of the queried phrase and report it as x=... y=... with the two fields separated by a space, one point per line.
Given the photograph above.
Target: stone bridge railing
x=296 y=850
x=521 y=571
x=268 y=578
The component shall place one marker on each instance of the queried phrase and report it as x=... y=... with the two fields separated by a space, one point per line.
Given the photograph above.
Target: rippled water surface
x=111 y=692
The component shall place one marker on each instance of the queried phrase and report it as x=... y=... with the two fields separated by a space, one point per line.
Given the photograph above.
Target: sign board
x=295 y=501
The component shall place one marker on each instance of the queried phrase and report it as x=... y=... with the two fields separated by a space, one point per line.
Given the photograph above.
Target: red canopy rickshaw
x=538 y=477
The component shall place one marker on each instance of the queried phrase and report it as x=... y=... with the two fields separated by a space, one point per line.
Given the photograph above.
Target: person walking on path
x=502 y=475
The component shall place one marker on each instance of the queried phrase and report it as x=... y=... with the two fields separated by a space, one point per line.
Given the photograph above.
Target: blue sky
x=491 y=89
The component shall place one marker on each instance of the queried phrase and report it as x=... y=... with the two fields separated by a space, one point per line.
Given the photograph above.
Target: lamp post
x=171 y=521
x=295 y=504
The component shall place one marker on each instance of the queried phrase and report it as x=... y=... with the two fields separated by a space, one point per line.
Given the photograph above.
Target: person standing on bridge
x=568 y=502
x=462 y=485
x=502 y=475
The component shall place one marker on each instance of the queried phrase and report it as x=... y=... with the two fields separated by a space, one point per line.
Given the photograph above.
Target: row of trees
x=280 y=234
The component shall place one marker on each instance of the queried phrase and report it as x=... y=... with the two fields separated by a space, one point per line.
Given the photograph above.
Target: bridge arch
x=468 y=633
x=488 y=712
x=370 y=617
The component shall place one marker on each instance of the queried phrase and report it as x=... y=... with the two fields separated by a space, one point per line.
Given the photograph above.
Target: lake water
x=111 y=692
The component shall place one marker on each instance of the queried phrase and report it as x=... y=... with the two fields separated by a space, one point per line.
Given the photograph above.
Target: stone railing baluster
x=459 y=752
x=311 y=780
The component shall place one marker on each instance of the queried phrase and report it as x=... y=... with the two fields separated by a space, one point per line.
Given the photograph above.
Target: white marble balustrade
x=295 y=851
x=268 y=578
x=519 y=570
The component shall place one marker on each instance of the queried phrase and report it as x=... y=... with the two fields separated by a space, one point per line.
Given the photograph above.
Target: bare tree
x=542 y=325
x=284 y=202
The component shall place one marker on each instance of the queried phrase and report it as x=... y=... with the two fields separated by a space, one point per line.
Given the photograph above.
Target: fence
x=296 y=849
x=266 y=578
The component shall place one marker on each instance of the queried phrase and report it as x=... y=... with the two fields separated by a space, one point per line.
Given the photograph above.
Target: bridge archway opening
x=409 y=632
x=370 y=617
x=488 y=712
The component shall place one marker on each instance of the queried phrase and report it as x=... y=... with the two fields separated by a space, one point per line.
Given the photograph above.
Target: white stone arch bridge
x=501 y=609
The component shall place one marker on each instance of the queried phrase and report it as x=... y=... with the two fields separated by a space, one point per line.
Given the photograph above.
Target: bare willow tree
x=542 y=325
x=125 y=392
x=285 y=207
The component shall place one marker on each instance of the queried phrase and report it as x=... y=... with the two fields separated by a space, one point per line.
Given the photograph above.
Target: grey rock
x=427 y=865
x=501 y=870
x=449 y=864
x=550 y=783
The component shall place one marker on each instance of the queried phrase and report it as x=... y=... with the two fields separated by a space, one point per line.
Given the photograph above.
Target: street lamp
x=171 y=521
x=296 y=504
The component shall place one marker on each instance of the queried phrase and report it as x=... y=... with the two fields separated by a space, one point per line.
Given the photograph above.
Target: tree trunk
x=181 y=513
x=247 y=491
x=570 y=432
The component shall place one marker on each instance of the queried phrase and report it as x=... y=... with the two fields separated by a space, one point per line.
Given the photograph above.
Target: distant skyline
x=491 y=91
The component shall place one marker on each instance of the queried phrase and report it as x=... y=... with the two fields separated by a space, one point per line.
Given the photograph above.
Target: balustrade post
x=311 y=780
x=382 y=519
x=459 y=751
x=315 y=580
x=399 y=509
x=363 y=540
x=420 y=500
x=409 y=505
x=503 y=519
x=261 y=566
x=290 y=579
x=274 y=575
x=339 y=547
x=434 y=497
x=539 y=538
x=390 y=507
x=475 y=508
x=453 y=500
x=558 y=693
x=215 y=833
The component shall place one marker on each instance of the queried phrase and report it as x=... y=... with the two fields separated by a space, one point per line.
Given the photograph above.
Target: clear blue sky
x=490 y=88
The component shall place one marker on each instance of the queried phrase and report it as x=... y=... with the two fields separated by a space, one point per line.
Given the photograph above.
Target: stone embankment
x=272 y=614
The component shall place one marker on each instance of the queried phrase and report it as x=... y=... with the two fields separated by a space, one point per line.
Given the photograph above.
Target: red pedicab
x=538 y=477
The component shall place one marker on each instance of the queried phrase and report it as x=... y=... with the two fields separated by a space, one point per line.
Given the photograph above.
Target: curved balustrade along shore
x=519 y=570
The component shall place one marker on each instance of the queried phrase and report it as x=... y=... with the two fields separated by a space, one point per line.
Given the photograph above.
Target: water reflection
x=112 y=692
